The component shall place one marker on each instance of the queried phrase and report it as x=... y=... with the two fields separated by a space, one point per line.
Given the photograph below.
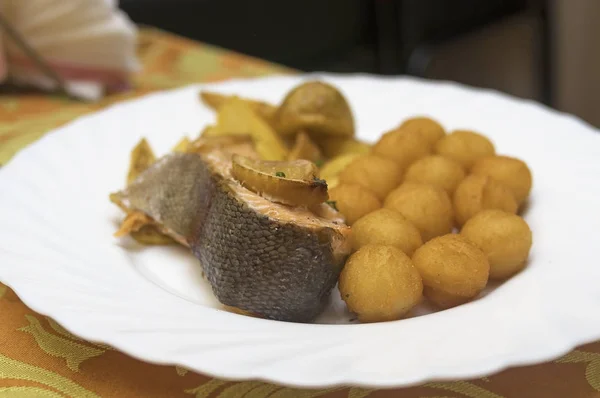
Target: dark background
x=501 y=44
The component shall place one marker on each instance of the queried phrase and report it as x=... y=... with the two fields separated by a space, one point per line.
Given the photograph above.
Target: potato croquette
x=436 y=170
x=479 y=192
x=453 y=269
x=504 y=237
x=402 y=147
x=511 y=172
x=380 y=283
x=424 y=127
x=353 y=201
x=375 y=173
x=428 y=207
x=465 y=147
x=386 y=227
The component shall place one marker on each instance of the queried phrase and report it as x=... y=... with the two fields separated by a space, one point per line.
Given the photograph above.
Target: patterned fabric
x=38 y=358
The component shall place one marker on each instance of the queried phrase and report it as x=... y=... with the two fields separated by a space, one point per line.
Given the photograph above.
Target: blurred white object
x=89 y=44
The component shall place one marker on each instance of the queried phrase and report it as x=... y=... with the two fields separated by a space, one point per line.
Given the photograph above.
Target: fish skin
x=268 y=267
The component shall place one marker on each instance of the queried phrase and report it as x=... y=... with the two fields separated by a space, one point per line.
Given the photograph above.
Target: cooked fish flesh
x=267 y=259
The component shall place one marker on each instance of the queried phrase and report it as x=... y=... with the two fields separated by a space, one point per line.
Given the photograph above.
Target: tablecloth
x=39 y=358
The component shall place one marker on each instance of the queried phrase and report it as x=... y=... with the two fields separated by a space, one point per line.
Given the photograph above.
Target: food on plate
x=337 y=146
x=273 y=200
x=215 y=101
x=377 y=174
x=386 y=227
x=353 y=201
x=504 y=237
x=142 y=228
x=333 y=167
x=183 y=145
x=141 y=158
x=255 y=253
x=235 y=117
x=136 y=224
x=211 y=131
x=426 y=128
x=380 y=283
x=465 y=147
x=317 y=108
x=480 y=192
x=305 y=148
x=436 y=170
x=233 y=144
x=294 y=183
x=402 y=147
x=453 y=269
x=511 y=172
x=428 y=207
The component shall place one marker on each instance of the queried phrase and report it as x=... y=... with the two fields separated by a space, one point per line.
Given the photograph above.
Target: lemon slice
x=294 y=183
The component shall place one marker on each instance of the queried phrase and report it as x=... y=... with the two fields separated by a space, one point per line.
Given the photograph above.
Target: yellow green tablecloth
x=38 y=358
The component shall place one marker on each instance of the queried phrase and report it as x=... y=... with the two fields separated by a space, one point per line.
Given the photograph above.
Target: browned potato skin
x=465 y=147
x=436 y=170
x=402 y=147
x=444 y=300
x=505 y=238
x=386 y=227
x=317 y=107
x=425 y=127
x=453 y=269
x=378 y=174
x=479 y=192
x=380 y=283
x=512 y=172
x=428 y=207
x=353 y=201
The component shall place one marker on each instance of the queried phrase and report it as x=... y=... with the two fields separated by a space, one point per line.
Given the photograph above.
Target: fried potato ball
x=402 y=147
x=425 y=127
x=479 y=192
x=380 y=283
x=378 y=174
x=436 y=170
x=386 y=227
x=465 y=147
x=428 y=207
x=453 y=269
x=353 y=201
x=511 y=172
x=504 y=237
x=442 y=299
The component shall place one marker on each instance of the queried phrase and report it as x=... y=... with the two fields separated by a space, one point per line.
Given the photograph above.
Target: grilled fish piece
x=268 y=259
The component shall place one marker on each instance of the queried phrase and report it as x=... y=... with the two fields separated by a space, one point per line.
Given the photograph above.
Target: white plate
x=58 y=253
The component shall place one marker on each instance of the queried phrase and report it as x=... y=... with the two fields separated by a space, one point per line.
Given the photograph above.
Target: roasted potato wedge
x=183 y=145
x=294 y=183
x=235 y=117
x=141 y=158
x=336 y=146
x=210 y=131
x=331 y=169
x=305 y=148
x=215 y=101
